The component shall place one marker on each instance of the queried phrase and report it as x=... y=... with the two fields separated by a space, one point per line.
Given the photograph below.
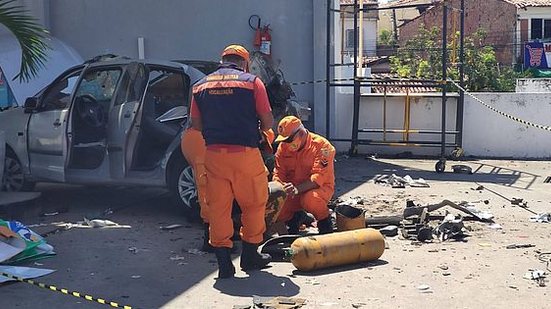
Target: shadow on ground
x=349 y=176
x=261 y=283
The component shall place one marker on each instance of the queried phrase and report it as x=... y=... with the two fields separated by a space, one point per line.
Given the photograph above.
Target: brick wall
x=497 y=17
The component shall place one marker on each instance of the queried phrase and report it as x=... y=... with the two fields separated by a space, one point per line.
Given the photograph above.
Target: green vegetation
x=421 y=57
x=31 y=36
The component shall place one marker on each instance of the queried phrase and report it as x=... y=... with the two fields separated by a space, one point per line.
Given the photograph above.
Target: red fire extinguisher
x=266 y=41
x=262 y=38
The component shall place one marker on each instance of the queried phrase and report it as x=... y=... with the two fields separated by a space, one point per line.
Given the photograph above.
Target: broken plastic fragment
x=541 y=218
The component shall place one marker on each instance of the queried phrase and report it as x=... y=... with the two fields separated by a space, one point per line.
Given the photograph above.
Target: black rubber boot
x=206 y=246
x=251 y=259
x=325 y=226
x=225 y=265
x=294 y=224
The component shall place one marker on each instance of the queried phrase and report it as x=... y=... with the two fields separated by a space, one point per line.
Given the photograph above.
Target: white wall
x=488 y=134
x=191 y=29
x=485 y=134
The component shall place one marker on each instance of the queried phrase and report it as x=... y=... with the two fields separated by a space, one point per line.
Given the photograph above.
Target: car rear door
x=122 y=128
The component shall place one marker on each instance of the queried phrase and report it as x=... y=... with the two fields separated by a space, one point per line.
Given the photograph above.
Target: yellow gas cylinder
x=341 y=248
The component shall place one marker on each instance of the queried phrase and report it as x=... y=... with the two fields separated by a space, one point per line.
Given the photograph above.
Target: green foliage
x=386 y=38
x=421 y=57
x=31 y=37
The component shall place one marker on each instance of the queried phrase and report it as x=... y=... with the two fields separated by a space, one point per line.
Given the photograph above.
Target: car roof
x=108 y=60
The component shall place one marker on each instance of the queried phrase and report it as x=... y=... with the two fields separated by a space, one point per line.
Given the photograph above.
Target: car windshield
x=101 y=84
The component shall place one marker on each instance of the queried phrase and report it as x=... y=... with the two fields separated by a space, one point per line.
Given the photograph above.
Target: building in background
x=369 y=28
x=508 y=23
x=390 y=20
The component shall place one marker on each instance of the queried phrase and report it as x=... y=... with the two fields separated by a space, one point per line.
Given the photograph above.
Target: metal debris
x=517 y=246
x=391 y=230
x=462 y=169
x=451 y=227
x=536 y=275
x=413 y=210
x=278 y=302
x=519 y=202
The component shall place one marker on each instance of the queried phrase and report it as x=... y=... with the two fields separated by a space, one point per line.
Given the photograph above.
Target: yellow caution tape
x=525 y=122
x=67 y=292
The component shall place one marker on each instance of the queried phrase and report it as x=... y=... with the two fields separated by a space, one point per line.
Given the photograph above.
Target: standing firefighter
x=229 y=106
x=304 y=165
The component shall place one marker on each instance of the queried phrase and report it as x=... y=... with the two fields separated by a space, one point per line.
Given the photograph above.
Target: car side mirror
x=31 y=104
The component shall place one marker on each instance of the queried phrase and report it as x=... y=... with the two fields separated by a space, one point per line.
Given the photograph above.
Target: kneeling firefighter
x=304 y=165
x=227 y=107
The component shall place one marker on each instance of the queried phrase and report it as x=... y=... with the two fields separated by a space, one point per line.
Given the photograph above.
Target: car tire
x=14 y=179
x=182 y=189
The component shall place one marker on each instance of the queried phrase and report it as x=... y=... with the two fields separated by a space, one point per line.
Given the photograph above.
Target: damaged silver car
x=111 y=120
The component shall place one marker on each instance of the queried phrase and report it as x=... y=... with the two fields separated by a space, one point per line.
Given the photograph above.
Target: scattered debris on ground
x=518 y=246
x=171 y=227
x=401 y=182
x=541 y=218
x=462 y=169
x=416 y=223
x=536 y=275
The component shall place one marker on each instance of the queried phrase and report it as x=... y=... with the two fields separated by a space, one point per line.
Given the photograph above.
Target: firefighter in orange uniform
x=229 y=107
x=304 y=165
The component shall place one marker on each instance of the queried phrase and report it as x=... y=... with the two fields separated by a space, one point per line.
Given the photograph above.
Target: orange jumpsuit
x=194 y=150
x=228 y=103
x=313 y=162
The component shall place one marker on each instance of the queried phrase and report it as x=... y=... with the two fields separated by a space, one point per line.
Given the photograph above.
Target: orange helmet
x=238 y=50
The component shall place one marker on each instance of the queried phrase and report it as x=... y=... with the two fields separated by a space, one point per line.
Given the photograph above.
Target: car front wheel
x=182 y=187
x=13 y=179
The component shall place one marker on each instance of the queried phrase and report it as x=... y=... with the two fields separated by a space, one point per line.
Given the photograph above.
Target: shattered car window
x=100 y=84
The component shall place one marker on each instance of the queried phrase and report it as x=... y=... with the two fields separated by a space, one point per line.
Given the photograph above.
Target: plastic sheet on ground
x=22 y=272
x=15 y=236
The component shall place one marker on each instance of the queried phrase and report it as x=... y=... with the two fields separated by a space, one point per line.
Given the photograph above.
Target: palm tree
x=31 y=36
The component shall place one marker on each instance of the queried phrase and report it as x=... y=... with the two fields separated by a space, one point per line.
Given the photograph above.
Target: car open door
x=47 y=141
x=122 y=127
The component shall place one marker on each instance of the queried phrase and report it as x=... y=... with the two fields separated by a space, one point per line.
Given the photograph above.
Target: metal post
x=328 y=72
x=356 y=115
x=395 y=26
x=444 y=75
x=461 y=101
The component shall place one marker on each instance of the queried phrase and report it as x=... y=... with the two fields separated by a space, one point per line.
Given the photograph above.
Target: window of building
x=547 y=29
x=540 y=29
x=349 y=43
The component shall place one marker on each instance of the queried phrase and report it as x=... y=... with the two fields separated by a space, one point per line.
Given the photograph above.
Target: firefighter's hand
x=290 y=189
